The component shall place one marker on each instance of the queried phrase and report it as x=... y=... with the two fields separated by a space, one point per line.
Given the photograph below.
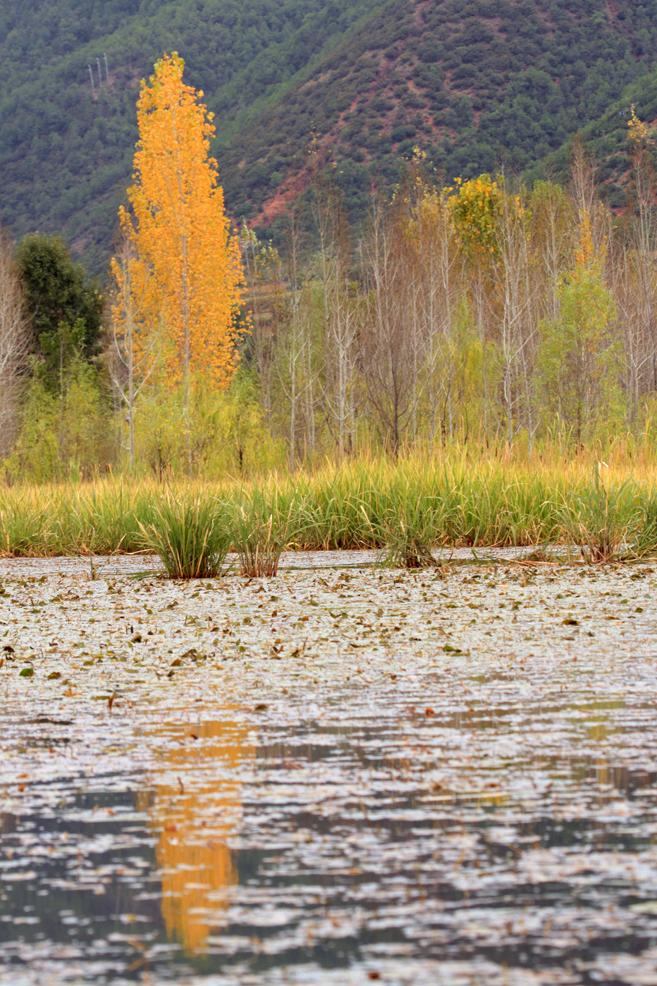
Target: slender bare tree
x=389 y=362
x=296 y=374
x=635 y=274
x=131 y=357
x=14 y=345
x=265 y=295
x=437 y=278
x=518 y=323
x=339 y=322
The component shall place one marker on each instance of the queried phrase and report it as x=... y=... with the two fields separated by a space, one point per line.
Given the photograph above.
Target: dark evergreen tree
x=65 y=307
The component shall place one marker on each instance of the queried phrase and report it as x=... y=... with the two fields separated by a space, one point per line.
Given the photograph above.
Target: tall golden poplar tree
x=186 y=269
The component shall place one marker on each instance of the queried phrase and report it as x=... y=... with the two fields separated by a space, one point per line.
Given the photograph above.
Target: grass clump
x=260 y=533
x=191 y=537
x=645 y=542
x=25 y=527
x=410 y=527
x=602 y=519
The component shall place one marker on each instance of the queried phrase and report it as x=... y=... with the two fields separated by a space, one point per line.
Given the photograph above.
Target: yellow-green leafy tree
x=580 y=359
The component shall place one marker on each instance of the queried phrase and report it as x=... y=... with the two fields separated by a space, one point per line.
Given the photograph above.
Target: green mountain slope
x=476 y=85
x=66 y=150
x=606 y=140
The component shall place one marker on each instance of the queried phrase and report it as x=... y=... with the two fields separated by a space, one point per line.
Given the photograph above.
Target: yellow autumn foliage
x=186 y=273
x=638 y=132
x=476 y=206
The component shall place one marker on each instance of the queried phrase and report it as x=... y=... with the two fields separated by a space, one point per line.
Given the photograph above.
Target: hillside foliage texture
x=301 y=86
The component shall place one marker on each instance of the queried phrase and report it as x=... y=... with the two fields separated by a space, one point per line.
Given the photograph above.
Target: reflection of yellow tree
x=196 y=806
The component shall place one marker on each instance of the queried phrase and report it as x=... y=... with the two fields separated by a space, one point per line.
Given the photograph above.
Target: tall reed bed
x=406 y=507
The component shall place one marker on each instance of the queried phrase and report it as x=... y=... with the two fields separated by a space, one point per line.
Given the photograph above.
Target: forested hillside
x=301 y=85
x=65 y=148
x=605 y=137
x=478 y=86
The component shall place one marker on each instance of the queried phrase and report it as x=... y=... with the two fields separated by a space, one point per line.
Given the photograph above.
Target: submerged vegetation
x=234 y=739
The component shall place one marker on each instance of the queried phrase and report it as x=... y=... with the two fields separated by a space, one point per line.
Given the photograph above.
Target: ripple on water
x=484 y=814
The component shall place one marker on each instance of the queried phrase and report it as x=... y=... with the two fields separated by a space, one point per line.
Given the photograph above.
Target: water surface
x=333 y=777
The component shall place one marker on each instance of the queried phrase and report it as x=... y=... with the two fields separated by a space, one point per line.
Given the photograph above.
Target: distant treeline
x=479 y=313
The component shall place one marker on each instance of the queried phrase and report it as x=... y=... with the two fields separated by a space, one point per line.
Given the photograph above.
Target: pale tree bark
x=639 y=299
x=339 y=325
x=294 y=362
x=553 y=230
x=438 y=276
x=130 y=365
x=518 y=330
x=588 y=204
x=387 y=344
x=634 y=286
x=479 y=295
x=14 y=345
x=264 y=294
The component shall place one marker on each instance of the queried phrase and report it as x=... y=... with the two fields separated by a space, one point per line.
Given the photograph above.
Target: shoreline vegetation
x=405 y=508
